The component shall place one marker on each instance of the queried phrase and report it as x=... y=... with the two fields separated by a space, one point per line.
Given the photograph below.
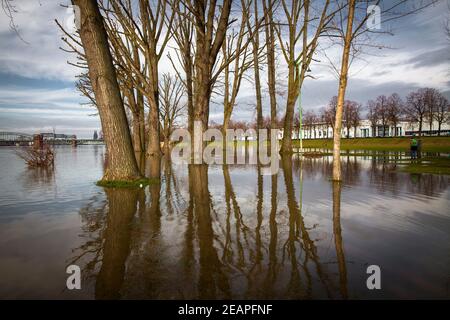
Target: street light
x=300 y=110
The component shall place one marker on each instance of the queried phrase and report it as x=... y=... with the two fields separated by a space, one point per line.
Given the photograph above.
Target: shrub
x=38 y=157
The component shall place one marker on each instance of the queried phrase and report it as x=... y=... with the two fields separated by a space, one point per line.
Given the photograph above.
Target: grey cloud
x=430 y=58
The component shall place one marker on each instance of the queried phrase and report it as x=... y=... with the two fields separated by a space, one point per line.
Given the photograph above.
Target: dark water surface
x=223 y=231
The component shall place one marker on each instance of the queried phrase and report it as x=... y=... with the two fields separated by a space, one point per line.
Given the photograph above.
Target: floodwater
x=223 y=231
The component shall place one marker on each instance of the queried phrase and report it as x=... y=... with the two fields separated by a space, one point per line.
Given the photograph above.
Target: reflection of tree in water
x=89 y=254
x=428 y=184
x=212 y=279
x=39 y=177
x=116 y=244
x=156 y=244
x=312 y=167
x=383 y=175
x=386 y=178
x=299 y=237
x=338 y=242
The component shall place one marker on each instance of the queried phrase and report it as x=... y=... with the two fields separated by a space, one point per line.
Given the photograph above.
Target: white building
x=366 y=130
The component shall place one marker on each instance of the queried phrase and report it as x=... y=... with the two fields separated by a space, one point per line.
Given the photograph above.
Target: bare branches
x=172 y=108
x=10 y=9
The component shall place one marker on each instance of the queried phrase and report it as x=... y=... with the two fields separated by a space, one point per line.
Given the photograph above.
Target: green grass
x=127 y=184
x=429 y=144
x=435 y=165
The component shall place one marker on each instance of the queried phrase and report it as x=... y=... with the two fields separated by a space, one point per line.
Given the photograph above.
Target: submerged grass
x=138 y=183
x=435 y=165
x=429 y=144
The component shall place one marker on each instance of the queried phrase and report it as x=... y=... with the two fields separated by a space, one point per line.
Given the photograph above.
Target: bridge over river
x=25 y=139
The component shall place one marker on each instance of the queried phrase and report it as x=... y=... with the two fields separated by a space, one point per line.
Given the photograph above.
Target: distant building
x=365 y=129
x=58 y=136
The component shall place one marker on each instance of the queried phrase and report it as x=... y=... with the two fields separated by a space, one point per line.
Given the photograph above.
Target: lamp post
x=300 y=112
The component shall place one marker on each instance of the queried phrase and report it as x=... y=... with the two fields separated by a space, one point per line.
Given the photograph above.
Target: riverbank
x=429 y=144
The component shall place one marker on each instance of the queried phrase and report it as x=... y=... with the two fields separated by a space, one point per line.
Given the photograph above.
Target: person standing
x=413 y=147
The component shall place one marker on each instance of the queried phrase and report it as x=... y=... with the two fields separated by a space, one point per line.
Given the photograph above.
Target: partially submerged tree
x=121 y=160
x=150 y=38
x=356 y=27
x=305 y=24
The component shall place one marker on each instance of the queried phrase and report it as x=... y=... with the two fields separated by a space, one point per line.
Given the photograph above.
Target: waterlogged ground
x=223 y=231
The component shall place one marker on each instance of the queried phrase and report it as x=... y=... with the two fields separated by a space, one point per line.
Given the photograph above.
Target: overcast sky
x=37 y=85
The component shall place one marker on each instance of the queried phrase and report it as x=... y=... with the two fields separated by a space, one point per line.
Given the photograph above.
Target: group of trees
x=425 y=106
x=118 y=47
x=213 y=47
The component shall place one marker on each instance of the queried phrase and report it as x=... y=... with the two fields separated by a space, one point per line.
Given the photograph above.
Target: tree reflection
x=338 y=242
x=195 y=236
x=212 y=279
x=299 y=233
x=116 y=246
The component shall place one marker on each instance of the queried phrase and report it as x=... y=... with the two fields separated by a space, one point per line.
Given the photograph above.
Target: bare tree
x=314 y=119
x=372 y=115
x=381 y=107
x=431 y=100
x=126 y=55
x=305 y=23
x=269 y=29
x=152 y=38
x=442 y=112
x=308 y=120
x=210 y=32
x=356 y=117
x=236 y=42
x=347 y=117
x=330 y=113
x=121 y=160
x=183 y=34
x=416 y=107
x=172 y=107
x=351 y=116
x=211 y=22
x=394 y=111
x=256 y=57
x=355 y=27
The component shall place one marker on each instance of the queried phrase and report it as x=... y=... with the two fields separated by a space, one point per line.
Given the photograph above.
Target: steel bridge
x=25 y=139
x=15 y=136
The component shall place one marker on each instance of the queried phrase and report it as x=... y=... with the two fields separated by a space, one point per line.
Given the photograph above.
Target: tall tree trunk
x=270 y=47
x=227 y=108
x=140 y=107
x=121 y=160
x=154 y=147
x=293 y=93
x=189 y=91
x=341 y=93
x=255 y=42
